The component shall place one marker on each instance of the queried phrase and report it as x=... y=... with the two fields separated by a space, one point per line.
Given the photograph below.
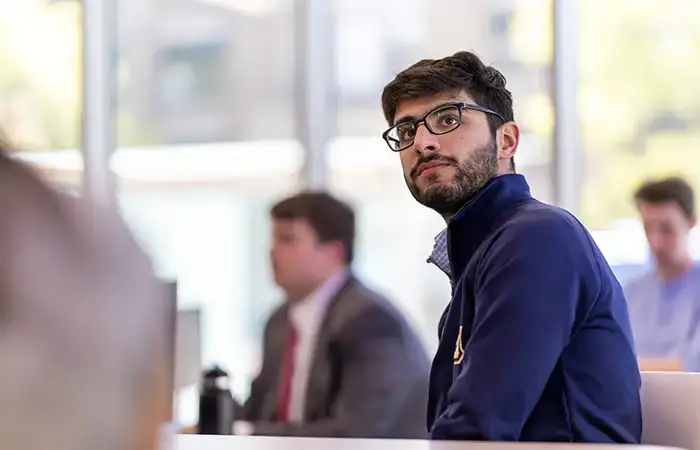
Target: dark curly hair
x=463 y=71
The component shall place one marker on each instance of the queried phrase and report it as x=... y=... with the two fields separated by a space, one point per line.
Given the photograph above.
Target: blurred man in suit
x=338 y=359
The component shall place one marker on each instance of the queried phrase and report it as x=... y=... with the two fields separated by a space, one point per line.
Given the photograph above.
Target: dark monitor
x=171 y=318
x=188 y=351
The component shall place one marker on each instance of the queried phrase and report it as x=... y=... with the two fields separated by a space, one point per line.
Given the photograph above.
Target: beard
x=471 y=175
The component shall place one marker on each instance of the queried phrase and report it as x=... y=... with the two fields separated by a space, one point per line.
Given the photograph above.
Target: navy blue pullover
x=536 y=343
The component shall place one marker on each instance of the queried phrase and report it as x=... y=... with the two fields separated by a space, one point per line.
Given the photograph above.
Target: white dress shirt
x=306 y=317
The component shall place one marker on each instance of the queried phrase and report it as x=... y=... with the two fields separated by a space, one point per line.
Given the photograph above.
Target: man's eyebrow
x=405 y=119
x=413 y=118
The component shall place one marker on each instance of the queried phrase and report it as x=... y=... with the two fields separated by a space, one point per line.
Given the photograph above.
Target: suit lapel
x=320 y=376
x=277 y=348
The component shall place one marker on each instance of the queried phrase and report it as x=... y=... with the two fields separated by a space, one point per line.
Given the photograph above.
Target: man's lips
x=429 y=165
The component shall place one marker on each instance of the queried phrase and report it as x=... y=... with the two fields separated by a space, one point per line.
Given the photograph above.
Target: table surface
x=194 y=442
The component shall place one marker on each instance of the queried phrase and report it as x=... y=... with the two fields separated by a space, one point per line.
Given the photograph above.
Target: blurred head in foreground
x=82 y=329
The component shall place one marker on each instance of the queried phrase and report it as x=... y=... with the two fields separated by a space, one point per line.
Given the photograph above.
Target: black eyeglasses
x=442 y=120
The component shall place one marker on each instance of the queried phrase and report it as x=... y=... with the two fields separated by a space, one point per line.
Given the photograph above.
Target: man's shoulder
x=694 y=275
x=539 y=237
x=363 y=314
x=534 y=214
x=367 y=295
x=359 y=298
x=640 y=283
x=544 y=225
x=360 y=306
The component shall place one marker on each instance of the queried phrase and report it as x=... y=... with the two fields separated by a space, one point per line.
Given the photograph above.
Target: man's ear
x=507 y=140
x=336 y=247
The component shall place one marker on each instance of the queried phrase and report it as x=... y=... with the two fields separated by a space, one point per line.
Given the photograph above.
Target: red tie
x=285 y=388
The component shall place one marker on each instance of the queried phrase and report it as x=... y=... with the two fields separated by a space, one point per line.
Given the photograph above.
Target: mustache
x=430 y=158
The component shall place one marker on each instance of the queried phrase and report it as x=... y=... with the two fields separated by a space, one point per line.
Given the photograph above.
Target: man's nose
x=425 y=141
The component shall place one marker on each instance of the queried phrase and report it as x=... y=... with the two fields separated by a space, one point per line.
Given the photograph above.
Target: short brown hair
x=668 y=190
x=330 y=218
x=463 y=71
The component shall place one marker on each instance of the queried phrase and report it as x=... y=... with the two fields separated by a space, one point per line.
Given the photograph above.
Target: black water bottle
x=217 y=409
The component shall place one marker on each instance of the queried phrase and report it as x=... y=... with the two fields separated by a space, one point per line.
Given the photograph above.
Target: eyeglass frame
x=461 y=106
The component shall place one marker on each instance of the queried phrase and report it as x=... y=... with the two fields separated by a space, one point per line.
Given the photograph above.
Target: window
x=639 y=112
x=206 y=71
x=39 y=80
x=500 y=24
x=190 y=78
x=212 y=148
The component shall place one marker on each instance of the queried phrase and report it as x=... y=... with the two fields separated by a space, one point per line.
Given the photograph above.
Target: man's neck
x=501 y=171
x=315 y=285
x=671 y=271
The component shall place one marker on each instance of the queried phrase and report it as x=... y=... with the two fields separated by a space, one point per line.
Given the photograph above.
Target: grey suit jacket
x=369 y=375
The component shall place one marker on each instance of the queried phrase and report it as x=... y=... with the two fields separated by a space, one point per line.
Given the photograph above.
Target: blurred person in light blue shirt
x=664 y=303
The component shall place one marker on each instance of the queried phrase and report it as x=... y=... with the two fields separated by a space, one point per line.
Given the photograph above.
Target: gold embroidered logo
x=459 y=350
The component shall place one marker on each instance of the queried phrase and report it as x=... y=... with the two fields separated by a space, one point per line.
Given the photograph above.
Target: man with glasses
x=536 y=343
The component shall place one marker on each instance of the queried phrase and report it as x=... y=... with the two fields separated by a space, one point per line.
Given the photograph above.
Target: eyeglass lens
x=441 y=121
